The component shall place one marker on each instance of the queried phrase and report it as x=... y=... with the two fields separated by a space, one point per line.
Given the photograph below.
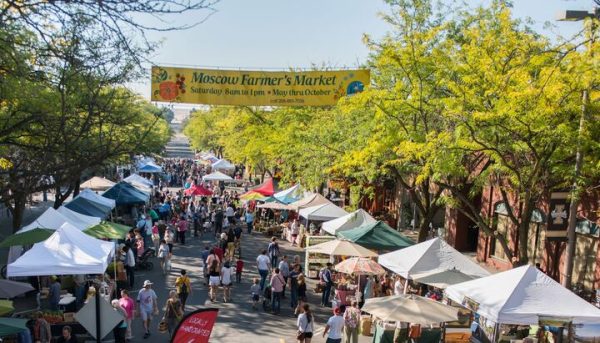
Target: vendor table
x=65 y=301
x=387 y=336
x=345 y=297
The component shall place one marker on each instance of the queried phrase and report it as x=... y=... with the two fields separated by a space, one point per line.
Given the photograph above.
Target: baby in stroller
x=266 y=301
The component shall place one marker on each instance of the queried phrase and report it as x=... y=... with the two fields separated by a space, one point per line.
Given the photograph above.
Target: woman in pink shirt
x=128 y=305
x=181 y=229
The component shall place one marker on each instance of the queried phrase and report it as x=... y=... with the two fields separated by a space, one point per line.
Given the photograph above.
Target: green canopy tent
x=6 y=307
x=108 y=230
x=376 y=235
x=26 y=238
x=12 y=326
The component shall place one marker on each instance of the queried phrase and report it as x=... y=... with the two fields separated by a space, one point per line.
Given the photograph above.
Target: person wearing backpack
x=184 y=288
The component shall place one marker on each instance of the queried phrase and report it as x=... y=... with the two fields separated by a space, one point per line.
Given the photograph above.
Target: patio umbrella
x=11 y=326
x=6 y=307
x=359 y=266
x=26 y=238
x=410 y=309
x=10 y=289
x=341 y=248
x=108 y=230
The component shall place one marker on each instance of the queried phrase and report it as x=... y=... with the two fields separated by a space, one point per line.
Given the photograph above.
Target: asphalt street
x=237 y=321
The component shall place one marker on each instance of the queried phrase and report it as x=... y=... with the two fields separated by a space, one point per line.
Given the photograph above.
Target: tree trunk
x=524 y=232
x=423 y=231
x=18 y=210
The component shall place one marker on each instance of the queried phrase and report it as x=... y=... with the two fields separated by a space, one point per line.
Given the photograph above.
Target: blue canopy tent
x=125 y=194
x=150 y=168
x=289 y=195
x=88 y=207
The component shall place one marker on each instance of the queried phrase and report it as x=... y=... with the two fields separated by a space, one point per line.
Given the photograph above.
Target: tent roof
x=217 y=176
x=432 y=256
x=125 y=194
x=150 y=167
x=68 y=251
x=108 y=230
x=90 y=195
x=50 y=219
x=97 y=183
x=377 y=235
x=78 y=219
x=223 y=164
x=136 y=178
x=309 y=201
x=88 y=207
x=347 y=222
x=341 y=247
x=11 y=326
x=521 y=296
x=266 y=188
x=288 y=196
x=323 y=212
x=198 y=190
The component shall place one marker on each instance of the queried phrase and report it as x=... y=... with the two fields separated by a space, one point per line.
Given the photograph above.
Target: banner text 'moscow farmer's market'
x=255 y=88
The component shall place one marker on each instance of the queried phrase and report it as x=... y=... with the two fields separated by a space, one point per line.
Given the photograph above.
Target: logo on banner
x=558 y=219
x=196 y=327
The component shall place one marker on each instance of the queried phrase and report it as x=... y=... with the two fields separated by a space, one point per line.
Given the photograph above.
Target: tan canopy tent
x=97 y=183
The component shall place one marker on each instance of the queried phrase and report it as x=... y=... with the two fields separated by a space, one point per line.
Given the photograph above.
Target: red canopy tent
x=198 y=190
x=265 y=189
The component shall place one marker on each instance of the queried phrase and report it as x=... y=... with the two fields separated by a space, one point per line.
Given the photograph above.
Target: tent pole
x=98 y=338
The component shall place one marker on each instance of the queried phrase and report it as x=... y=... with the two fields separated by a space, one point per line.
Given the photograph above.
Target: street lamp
x=570 y=15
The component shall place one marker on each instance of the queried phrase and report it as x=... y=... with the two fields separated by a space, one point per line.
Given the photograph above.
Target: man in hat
x=147 y=305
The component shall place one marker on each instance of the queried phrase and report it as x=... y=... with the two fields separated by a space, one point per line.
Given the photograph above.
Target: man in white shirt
x=129 y=264
x=398 y=286
x=263 y=263
x=335 y=324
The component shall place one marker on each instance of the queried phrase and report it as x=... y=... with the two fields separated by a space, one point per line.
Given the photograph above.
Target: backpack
x=183 y=289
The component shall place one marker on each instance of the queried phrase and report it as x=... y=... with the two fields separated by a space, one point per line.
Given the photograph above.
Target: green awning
x=11 y=326
x=537 y=216
x=587 y=227
x=108 y=230
x=376 y=235
x=26 y=238
x=6 y=307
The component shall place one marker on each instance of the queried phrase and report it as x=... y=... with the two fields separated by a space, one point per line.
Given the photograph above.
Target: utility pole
x=576 y=189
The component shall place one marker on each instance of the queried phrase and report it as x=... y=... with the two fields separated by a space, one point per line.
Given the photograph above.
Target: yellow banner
x=255 y=88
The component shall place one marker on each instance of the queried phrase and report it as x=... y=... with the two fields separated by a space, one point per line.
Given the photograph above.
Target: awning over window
x=536 y=217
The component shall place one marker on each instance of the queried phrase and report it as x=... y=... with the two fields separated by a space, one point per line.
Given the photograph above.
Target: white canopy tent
x=522 y=296
x=430 y=257
x=137 y=179
x=68 y=251
x=223 y=164
x=78 y=219
x=348 y=222
x=309 y=201
x=97 y=183
x=323 y=212
x=91 y=196
x=52 y=219
x=217 y=176
x=289 y=195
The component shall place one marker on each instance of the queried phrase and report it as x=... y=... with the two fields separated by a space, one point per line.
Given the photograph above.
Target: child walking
x=255 y=291
x=239 y=266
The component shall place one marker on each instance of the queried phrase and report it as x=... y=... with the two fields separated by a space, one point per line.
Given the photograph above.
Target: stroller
x=143 y=262
x=267 y=294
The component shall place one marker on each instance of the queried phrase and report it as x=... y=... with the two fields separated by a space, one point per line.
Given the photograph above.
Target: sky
x=279 y=34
